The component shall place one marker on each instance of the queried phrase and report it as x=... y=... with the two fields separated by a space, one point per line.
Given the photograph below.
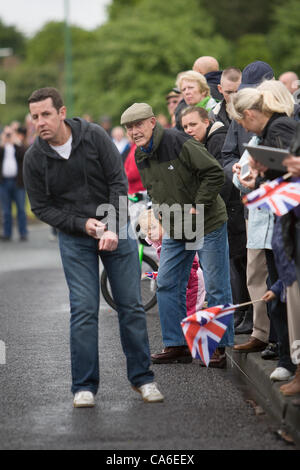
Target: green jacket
x=179 y=170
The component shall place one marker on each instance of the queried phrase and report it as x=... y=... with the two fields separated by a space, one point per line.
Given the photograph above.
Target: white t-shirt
x=65 y=149
x=9 y=165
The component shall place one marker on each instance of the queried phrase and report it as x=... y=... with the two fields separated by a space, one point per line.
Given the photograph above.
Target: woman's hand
x=255 y=165
x=236 y=168
x=249 y=181
x=293 y=165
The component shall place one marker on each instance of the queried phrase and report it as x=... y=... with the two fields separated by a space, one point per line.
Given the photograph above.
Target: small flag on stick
x=151 y=275
x=204 y=330
x=278 y=196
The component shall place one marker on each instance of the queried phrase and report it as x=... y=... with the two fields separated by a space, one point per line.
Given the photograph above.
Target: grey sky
x=30 y=15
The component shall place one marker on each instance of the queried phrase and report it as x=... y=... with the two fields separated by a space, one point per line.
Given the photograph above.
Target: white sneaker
x=281 y=373
x=84 y=399
x=150 y=393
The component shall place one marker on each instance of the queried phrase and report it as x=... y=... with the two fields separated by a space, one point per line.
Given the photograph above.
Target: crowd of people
x=223 y=110
x=197 y=160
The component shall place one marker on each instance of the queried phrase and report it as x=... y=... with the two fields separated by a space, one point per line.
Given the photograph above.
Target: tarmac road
x=203 y=408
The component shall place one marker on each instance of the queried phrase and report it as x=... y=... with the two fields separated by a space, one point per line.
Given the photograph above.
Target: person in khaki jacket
x=180 y=174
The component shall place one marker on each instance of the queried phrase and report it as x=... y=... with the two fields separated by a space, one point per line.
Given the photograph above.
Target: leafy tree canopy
x=236 y=18
x=285 y=36
x=20 y=83
x=48 y=45
x=139 y=54
x=252 y=47
x=10 y=37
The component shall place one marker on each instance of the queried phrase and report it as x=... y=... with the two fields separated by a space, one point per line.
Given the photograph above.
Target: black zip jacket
x=65 y=193
x=214 y=140
x=279 y=132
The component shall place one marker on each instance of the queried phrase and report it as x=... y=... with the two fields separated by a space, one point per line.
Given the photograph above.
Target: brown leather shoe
x=217 y=360
x=253 y=345
x=293 y=387
x=172 y=354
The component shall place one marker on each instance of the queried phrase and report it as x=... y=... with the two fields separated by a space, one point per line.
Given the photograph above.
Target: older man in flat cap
x=180 y=175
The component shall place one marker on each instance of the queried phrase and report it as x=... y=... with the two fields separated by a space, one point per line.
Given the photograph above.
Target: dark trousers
x=238 y=279
x=297 y=260
x=278 y=317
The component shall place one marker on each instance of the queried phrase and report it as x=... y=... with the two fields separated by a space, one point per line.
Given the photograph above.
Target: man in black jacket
x=229 y=84
x=73 y=174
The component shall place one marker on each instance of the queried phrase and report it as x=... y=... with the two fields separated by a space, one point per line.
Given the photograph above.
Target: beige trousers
x=257 y=273
x=293 y=313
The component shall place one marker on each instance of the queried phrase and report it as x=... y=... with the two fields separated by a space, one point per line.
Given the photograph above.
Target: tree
x=20 y=83
x=251 y=47
x=239 y=17
x=48 y=46
x=285 y=37
x=10 y=37
x=138 y=55
x=117 y=7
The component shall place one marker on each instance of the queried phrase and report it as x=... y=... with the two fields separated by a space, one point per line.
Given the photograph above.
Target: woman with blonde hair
x=266 y=111
x=195 y=90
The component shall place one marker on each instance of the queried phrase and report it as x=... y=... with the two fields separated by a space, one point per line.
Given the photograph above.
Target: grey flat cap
x=136 y=112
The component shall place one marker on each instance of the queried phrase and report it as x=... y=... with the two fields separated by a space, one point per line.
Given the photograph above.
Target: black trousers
x=238 y=279
x=278 y=317
x=297 y=260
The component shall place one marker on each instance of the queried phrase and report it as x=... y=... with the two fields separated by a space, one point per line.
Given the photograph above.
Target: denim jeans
x=9 y=193
x=80 y=258
x=173 y=274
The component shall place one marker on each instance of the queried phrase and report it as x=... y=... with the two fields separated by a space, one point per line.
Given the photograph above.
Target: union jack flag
x=278 y=196
x=151 y=275
x=204 y=330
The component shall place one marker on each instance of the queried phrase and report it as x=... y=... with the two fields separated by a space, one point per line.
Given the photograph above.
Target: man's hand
x=94 y=228
x=109 y=241
x=293 y=165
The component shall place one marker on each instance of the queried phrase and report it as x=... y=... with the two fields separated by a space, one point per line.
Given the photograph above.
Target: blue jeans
x=80 y=258
x=173 y=274
x=9 y=193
